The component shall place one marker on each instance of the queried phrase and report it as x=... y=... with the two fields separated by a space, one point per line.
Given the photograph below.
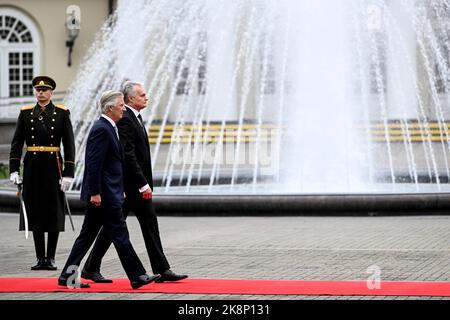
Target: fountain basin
x=333 y=204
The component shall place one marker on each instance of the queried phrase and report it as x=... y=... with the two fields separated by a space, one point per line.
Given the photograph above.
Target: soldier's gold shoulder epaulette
x=27 y=108
x=61 y=106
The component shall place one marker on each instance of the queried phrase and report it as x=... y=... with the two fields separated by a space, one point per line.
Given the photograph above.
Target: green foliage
x=4 y=171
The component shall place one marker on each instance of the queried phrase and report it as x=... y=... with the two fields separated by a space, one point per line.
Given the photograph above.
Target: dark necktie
x=142 y=122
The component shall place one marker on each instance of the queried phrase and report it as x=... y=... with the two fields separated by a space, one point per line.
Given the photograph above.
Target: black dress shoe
x=169 y=275
x=40 y=265
x=62 y=281
x=94 y=276
x=144 y=280
x=50 y=264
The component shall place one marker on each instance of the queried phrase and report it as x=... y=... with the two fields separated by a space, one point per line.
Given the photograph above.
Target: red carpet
x=250 y=287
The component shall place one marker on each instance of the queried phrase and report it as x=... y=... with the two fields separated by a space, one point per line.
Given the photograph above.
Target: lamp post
x=73 y=28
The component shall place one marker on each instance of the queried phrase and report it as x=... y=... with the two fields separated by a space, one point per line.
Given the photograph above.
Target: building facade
x=35 y=38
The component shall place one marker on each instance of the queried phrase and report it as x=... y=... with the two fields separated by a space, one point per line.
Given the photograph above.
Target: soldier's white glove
x=15 y=178
x=66 y=182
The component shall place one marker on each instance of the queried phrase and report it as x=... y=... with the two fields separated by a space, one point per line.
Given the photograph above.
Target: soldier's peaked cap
x=43 y=82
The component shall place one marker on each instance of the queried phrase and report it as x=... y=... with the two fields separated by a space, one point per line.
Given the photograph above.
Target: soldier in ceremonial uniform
x=44 y=128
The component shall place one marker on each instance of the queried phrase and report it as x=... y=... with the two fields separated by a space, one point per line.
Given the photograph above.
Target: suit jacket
x=138 y=166
x=103 y=172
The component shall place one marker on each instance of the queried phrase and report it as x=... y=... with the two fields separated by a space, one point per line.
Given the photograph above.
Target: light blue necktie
x=117 y=132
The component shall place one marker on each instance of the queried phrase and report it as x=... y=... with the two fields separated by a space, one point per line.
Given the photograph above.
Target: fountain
x=300 y=100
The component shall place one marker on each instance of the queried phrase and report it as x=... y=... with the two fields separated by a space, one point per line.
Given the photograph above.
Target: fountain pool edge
x=277 y=205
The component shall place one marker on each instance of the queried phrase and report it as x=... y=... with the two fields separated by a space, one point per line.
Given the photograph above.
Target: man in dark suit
x=103 y=191
x=138 y=188
x=44 y=127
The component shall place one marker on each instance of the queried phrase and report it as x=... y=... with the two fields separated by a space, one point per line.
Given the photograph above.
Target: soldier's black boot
x=52 y=242
x=39 y=246
x=50 y=264
x=40 y=264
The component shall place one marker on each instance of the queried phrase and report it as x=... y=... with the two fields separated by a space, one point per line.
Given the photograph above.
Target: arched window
x=19 y=53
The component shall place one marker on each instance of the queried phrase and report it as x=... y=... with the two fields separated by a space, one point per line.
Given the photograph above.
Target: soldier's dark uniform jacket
x=43 y=132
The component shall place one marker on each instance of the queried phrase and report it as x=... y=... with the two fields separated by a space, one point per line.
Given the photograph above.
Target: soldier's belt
x=43 y=149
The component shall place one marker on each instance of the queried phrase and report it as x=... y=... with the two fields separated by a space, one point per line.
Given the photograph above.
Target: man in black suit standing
x=103 y=191
x=138 y=188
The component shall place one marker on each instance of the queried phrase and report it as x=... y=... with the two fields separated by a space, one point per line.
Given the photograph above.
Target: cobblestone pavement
x=407 y=248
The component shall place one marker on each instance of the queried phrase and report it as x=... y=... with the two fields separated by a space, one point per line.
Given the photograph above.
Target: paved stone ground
x=407 y=248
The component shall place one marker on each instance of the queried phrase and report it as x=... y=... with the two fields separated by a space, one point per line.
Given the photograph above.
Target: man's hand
x=96 y=200
x=147 y=194
x=15 y=178
x=66 y=182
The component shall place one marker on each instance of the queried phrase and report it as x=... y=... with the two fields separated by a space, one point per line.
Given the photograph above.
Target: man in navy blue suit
x=103 y=190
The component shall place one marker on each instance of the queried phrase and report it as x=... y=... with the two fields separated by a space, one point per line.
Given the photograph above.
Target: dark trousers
x=110 y=219
x=145 y=213
x=39 y=244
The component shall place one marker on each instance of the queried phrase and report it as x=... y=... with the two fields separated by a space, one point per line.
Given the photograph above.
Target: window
x=377 y=68
x=20 y=74
x=441 y=69
x=268 y=75
x=202 y=68
x=185 y=78
x=19 y=53
x=440 y=18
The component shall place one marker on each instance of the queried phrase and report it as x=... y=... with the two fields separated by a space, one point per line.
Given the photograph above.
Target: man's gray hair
x=108 y=99
x=128 y=89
